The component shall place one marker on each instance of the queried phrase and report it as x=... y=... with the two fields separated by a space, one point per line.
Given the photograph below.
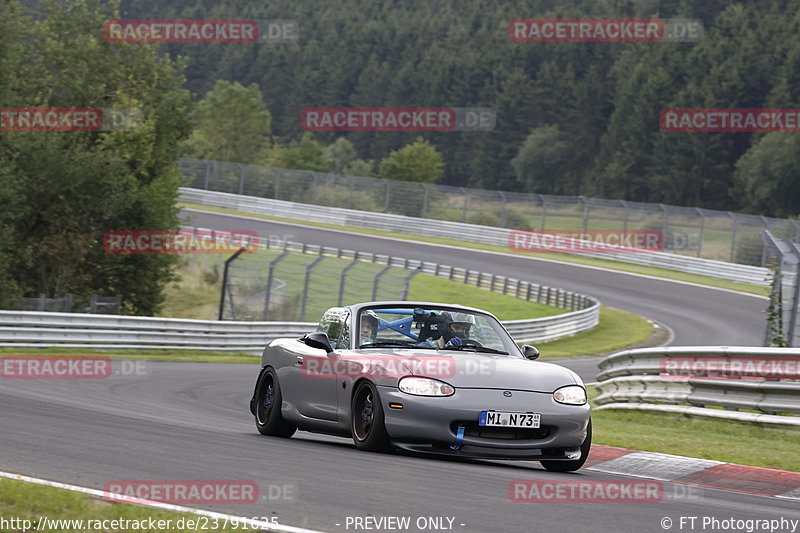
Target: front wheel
x=571 y=466
x=269 y=420
x=367 y=420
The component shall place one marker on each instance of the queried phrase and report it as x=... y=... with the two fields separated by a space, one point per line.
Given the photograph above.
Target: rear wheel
x=571 y=466
x=367 y=420
x=269 y=420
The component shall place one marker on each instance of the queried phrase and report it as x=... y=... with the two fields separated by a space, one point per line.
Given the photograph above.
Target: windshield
x=434 y=328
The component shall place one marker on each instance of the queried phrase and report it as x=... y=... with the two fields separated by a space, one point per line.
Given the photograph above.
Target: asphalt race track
x=696 y=315
x=190 y=421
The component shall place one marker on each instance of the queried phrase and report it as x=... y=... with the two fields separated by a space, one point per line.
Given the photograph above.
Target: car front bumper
x=430 y=424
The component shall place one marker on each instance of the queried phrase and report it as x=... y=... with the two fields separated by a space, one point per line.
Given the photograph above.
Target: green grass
x=720 y=440
x=617 y=330
x=693 y=436
x=431 y=288
x=19 y=499
x=567 y=258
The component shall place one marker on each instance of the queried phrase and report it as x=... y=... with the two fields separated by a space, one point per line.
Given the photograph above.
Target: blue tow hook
x=459 y=438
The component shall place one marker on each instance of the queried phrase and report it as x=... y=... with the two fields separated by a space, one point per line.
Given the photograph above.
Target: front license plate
x=511 y=420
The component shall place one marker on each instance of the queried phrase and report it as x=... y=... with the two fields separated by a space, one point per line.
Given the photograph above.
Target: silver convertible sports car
x=424 y=377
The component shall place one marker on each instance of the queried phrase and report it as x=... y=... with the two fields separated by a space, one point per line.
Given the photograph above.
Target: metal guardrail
x=458 y=230
x=33 y=329
x=637 y=379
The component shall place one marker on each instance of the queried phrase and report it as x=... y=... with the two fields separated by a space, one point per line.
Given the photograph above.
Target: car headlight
x=425 y=387
x=570 y=395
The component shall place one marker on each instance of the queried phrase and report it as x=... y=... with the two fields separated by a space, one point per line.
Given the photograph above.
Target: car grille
x=471 y=429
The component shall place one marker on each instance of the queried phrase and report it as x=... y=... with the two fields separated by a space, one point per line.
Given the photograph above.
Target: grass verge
x=28 y=501
x=720 y=440
x=617 y=330
x=566 y=258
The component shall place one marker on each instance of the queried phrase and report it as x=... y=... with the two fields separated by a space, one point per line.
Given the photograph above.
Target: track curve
x=697 y=315
x=179 y=421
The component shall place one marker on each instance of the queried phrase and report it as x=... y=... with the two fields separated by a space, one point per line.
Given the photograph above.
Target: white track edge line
x=263 y=526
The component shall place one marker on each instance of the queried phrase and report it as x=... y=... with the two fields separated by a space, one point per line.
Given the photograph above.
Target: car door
x=313 y=376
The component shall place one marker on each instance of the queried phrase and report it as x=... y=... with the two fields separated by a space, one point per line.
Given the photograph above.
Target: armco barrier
x=634 y=379
x=34 y=329
x=467 y=232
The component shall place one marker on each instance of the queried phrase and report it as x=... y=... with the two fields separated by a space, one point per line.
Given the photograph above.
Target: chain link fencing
x=691 y=231
x=293 y=286
x=69 y=303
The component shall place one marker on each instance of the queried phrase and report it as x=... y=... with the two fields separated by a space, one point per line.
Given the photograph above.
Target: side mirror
x=318 y=340
x=530 y=352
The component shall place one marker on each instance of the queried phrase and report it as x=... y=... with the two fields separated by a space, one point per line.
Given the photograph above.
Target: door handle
x=299 y=361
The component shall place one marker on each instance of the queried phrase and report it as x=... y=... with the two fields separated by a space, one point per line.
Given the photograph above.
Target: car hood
x=462 y=369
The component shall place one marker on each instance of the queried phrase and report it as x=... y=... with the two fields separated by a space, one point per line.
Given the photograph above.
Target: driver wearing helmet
x=460 y=324
x=368 y=328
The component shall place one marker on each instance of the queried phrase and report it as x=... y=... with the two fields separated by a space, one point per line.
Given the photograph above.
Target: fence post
x=345 y=270
x=407 y=282
x=228 y=262
x=349 y=193
x=790 y=336
x=504 y=216
x=208 y=174
x=314 y=186
x=270 y=276
x=68 y=303
x=425 y=200
x=702 y=228
x=278 y=176
x=733 y=235
x=585 y=213
x=309 y=268
x=664 y=222
x=377 y=280
x=544 y=211
x=466 y=204
x=625 y=218
x=241 y=178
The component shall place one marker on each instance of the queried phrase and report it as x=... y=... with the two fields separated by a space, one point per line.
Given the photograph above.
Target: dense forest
x=571 y=118
x=584 y=114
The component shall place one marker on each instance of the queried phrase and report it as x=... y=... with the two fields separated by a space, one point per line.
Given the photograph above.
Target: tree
x=231 y=124
x=305 y=154
x=542 y=159
x=767 y=177
x=340 y=154
x=419 y=161
x=69 y=188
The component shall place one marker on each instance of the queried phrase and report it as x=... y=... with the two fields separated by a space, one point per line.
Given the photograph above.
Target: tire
x=367 y=421
x=571 y=466
x=268 y=399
